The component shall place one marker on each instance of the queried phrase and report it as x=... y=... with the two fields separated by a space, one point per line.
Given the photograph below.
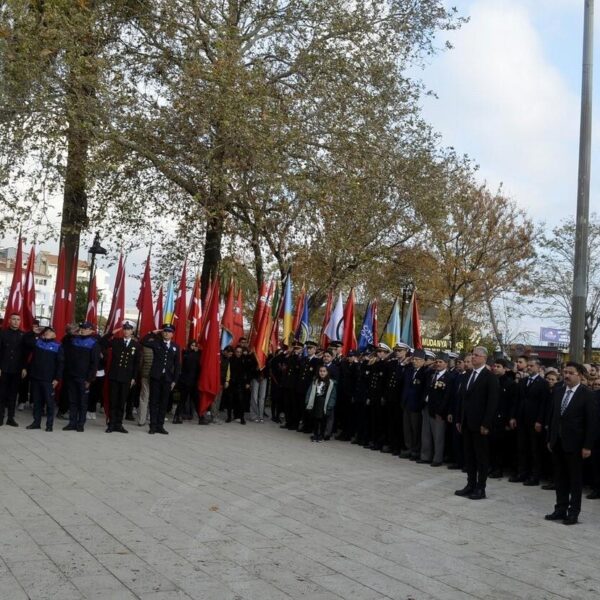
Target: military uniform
x=164 y=374
x=375 y=402
x=392 y=410
x=124 y=367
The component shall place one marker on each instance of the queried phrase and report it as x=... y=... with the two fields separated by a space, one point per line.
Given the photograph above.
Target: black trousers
x=394 y=426
x=595 y=458
x=188 y=401
x=160 y=390
x=78 y=401
x=118 y=394
x=530 y=444
x=9 y=388
x=477 y=457
x=319 y=426
x=42 y=394
x=568 y=470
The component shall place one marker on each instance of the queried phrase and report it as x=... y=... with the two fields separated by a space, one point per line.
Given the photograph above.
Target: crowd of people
x=486 y=416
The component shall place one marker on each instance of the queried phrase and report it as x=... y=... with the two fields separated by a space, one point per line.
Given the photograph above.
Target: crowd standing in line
x=482 y=415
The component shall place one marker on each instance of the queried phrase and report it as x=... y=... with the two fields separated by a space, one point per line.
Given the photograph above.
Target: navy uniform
x=308 y=370
x=45 y=371
x=375 y=397
x=393 y=401
x=292 y=384
x=124 y=366
x=13 y=353
x=164 y=373
x=82 y=354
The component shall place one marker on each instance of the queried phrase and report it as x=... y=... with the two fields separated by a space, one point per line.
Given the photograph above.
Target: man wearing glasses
x=479 y=403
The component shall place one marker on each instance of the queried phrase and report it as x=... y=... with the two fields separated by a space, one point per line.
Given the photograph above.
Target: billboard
x=553 y=335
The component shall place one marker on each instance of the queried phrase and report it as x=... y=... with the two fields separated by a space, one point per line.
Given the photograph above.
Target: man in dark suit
x=122 y=372
x=572 y=425
x=479 y=403
x=164 y=374
x=529 y=416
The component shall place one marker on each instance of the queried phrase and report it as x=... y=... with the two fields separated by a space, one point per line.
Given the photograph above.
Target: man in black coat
x=164 y=373
x=529 y=416
x=572 y=429
x=82 y=355
x=479 y=403
x=506 y=402
x=124 y=366
x=13 y=353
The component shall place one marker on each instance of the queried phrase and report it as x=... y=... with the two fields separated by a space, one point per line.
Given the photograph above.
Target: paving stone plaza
x=258 y=513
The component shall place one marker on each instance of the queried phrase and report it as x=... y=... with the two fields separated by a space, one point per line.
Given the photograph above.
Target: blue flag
x=366 y=331
x=304 y=326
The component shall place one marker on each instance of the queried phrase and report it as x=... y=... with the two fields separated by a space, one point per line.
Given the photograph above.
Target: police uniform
x=82 y=354
x=125 y=356
x=164 y=374
x=46 y=365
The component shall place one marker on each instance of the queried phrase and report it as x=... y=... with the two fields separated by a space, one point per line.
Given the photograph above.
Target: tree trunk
x=212 y=251
x=259 y=268
x=494 y=322
x=74 y=210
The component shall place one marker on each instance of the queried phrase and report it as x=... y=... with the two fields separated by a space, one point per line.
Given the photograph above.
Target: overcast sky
x=509 y=96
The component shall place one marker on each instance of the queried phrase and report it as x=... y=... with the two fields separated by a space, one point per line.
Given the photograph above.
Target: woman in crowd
x=320 y=400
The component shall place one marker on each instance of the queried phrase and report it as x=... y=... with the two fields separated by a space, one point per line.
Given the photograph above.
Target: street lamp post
x=580 y=274
x=94 y=250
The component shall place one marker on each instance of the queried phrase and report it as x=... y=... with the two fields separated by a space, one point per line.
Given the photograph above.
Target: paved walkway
x=232 y=512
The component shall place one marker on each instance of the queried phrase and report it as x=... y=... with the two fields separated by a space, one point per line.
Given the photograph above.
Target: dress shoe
x=1 y=422
x=12 y=422
x=202 y=421
x=496 y=474
x=552 y=486
x=532 y=482
x=69 y=428
x=129 y=417
x=422 y=461
x=453 y=466
x=405 y=454
x=48 y=427
x=517 y=479
x=354 y=441
x=151 y=431
x=120 y=429
x=593 y=495
x=557 y=515
x=386 y=450
x=466 y=491
x=570 y=520
x=242 y=421
x=79 y=428
x=477 y=494
x=109 y=429
x=163 y=431
x=327 y=438
x=33 y=426
x=435 y=464
x=177 y=420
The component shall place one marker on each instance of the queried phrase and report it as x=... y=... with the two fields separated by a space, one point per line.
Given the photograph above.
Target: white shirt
x=474 y=376
x=572 y=390
x=439 y=374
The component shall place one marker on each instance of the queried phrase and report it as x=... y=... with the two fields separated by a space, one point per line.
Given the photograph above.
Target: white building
x=46 y=267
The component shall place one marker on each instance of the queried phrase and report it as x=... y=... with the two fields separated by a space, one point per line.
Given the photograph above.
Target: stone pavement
x=255 y=512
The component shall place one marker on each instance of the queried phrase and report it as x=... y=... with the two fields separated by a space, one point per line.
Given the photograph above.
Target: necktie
x=529 y=380
x=471 y=380
x=565 y=401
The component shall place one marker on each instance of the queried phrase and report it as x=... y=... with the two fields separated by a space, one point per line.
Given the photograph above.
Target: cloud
x=504 y=103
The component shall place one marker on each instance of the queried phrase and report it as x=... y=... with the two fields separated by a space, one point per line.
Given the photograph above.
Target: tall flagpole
x=580 y=274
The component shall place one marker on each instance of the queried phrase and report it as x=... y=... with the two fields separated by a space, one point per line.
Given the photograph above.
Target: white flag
x=335 y=328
